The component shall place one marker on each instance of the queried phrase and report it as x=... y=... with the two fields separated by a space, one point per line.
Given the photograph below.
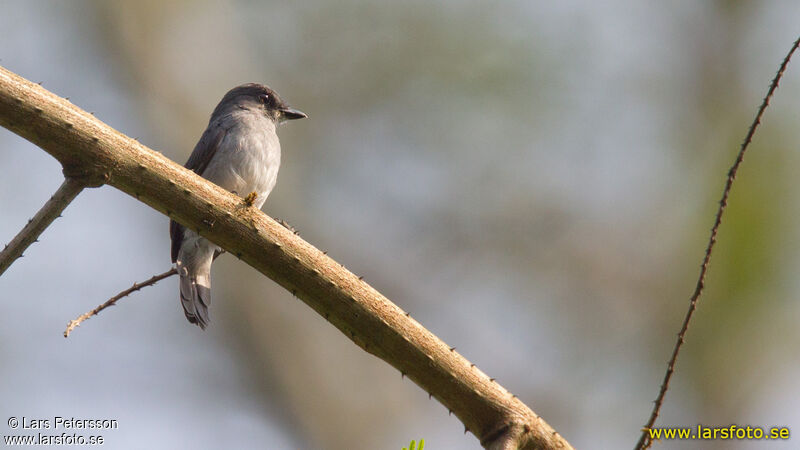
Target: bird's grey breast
x=248 y=156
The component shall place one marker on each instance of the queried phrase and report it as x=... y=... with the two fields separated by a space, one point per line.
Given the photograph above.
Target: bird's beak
x=292 y=114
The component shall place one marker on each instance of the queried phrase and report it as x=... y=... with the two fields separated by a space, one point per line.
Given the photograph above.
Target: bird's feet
x=251 y=198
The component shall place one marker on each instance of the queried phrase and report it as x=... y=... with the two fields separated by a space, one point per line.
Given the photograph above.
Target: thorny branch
x=29 y=234
x=644 y=440
x=86 y=146
x=110 y=302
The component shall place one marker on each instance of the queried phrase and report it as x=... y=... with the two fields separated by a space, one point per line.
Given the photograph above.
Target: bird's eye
x=264 y=98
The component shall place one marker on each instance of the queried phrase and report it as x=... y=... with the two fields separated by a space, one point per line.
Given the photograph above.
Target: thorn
x=430 y=396
x=449 y=412
x=472 y=365
x=452 y=349
x=465 y=430
x=491 y=380
x=324 y=253
x=66 y=98
x=402 y=375
x=360 y=278
x=38 y=110
x=239 y=255
x=39 y=83
x=294 y=292
x=408 y=314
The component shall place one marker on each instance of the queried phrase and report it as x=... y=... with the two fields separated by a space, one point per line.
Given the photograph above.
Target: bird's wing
x=206 y=148
x=202 y=154
x=176 y=234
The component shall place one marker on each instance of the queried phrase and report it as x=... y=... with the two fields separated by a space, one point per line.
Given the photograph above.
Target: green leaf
x=413 y=445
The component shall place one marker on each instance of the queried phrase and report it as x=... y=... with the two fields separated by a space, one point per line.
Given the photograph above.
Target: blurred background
x=533 y=181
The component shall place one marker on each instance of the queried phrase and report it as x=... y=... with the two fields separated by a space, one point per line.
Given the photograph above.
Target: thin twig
x=136 y=286
x=30 y=233
x=644 y=440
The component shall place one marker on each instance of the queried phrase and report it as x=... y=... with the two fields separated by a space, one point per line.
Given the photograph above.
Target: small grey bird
x=240 y=152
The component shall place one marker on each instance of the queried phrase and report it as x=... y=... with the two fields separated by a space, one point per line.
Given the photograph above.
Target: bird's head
x=258 y=97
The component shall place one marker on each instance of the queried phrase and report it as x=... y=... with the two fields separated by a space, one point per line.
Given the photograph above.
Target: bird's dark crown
x=256 y=96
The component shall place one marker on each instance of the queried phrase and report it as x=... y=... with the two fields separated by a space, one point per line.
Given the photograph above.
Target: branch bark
x=30 y=233
x=90 y=149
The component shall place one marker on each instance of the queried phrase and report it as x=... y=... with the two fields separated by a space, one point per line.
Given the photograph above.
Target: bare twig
x=83 y=144
x=30 y=233
x=644 y=440
x=113 y=300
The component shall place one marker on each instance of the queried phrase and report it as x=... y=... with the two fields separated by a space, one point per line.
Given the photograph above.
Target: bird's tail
x=195 y=291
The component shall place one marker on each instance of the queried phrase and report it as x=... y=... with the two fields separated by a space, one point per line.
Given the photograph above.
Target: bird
x=238 y=151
